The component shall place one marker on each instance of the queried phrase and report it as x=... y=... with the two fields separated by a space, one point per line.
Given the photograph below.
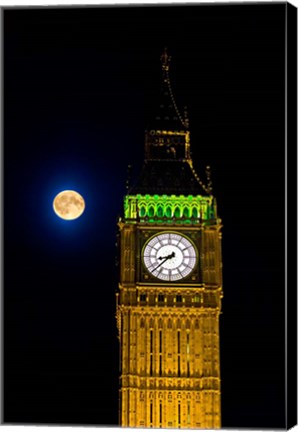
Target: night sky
x=79 y=85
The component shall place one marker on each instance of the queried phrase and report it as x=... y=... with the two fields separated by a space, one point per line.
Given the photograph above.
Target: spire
x=167 y=135
x=168 y=115
x=209 y=181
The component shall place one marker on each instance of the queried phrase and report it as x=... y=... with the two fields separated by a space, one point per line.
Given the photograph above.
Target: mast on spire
x=165 y=60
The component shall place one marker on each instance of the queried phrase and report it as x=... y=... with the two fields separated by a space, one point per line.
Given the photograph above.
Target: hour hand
x=172 y=255
x=164 y=260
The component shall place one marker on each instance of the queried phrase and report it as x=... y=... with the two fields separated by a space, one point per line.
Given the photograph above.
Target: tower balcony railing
x=176 y=221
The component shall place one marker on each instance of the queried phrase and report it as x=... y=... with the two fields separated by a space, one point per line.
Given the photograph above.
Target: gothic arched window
x=160 y=211
x=151 y=211
x=177 y=212
x=194 y=212
x=168 y=212
x=142 y=211
x=186 y=212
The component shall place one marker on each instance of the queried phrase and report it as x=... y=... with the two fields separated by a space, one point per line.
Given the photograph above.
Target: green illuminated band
x=163 y=208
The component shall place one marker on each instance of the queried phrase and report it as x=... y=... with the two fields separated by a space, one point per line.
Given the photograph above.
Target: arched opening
x=177 y=212
x=168 y=212
x=194 y=212
x=151 y=211
x=160 y=211
x=186 y=212
x=142 y=211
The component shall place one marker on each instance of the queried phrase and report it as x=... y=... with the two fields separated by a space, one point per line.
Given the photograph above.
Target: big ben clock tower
x=170 y=290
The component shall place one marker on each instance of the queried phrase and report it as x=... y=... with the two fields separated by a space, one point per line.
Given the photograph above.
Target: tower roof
x=168 y=167
x=169 y=178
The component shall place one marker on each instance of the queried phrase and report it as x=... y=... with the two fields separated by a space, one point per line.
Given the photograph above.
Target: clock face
x=169 y=256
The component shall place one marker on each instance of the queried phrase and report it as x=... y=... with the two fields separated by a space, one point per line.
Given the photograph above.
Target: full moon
x=69 y=205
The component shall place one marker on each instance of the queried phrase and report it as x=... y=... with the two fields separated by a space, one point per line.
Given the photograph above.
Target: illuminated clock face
x=169 y=256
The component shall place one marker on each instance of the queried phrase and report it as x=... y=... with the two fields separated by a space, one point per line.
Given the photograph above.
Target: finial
x=165 y=60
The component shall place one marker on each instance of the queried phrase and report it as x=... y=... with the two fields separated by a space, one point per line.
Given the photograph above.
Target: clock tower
x=170 y=290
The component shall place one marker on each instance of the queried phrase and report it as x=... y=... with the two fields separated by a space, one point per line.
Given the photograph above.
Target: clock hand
x=164 y=260
x=172 y=255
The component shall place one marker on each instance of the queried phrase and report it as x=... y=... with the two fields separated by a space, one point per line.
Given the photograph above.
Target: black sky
x=79 y=84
